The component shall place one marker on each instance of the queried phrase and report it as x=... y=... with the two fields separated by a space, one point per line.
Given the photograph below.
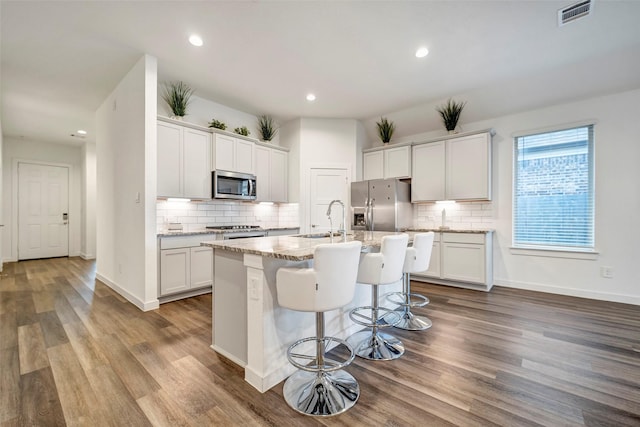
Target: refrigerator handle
x=369 y=226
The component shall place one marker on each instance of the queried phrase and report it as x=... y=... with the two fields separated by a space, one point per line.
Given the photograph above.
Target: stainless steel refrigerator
x=381 y=205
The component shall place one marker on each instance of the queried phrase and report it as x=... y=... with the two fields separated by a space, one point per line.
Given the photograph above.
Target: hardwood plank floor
x=73 y=352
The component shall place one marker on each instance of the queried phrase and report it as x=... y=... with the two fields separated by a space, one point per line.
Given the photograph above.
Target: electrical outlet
x=606 y=272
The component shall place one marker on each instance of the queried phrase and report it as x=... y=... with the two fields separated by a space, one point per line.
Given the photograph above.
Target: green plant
x=177 y=95
x=217 y=124
x=267 y=127
x=450 y=113
x=385 y=129
x=242 y=131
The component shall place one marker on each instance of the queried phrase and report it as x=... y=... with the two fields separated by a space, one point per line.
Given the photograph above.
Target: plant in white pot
x=267 y=127
x=386 y=129
x=177 y=95
x=450 y=113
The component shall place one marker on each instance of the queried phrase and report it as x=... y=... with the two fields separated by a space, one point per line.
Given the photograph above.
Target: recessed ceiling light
x=82 y=132
x=422 y=52
x=311 y=97
x=196 y=40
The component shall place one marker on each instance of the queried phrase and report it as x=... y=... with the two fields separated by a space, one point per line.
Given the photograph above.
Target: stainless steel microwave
x=233 y=185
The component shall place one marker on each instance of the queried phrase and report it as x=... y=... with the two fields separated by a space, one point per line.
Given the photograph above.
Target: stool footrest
x=309 y=362
x=415 y=300
x=386 y=317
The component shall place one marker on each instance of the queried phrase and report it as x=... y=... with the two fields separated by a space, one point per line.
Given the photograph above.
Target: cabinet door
x=244 y=156
x=469 y=168
x=427 y=182
x=397 y=162
x=463 y=262
x=197 y=164
x=434 y=262
x=201 y=267
x=223 y=152
x=279 y=176
x=262 y=157
x=373 y=165
x=169 y=160
x=174 y=270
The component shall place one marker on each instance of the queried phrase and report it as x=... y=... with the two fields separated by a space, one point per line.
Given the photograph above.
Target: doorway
x=328 y=184
x=43 y=207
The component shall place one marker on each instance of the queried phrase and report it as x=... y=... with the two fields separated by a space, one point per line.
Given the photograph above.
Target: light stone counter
x=249 y=326
x=296 y=248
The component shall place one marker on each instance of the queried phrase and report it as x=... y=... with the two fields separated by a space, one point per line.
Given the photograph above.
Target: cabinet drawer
x=185 y=241
x=474 y=238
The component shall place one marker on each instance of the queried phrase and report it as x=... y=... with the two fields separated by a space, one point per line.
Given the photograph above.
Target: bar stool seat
x=417 y=259
x=382 y=268
x=320 y=387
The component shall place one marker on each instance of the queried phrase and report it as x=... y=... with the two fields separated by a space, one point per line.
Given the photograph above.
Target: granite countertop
x=294 y=248
x=169 y=233
x=451 y=230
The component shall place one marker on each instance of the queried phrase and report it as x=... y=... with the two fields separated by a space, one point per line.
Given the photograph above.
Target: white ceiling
x=61 y=59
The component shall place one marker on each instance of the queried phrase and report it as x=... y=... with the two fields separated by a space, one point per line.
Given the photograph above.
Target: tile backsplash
x=197 y=215
x=461 y=215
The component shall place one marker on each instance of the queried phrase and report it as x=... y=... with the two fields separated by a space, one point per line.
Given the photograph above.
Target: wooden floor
x=74 y=352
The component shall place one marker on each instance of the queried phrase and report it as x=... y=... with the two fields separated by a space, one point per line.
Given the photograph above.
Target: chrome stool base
x=376 y=346
x=411 y=322
x=321 y=394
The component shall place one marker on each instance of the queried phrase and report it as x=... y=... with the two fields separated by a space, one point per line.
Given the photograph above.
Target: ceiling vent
x=574 y=12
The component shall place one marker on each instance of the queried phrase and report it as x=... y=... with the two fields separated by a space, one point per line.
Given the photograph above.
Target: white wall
x=88 y=201
x=1 y=200
x=201 y=111
x=617 y=230
x=126 y=180
x=318 y=143
x=15 y=150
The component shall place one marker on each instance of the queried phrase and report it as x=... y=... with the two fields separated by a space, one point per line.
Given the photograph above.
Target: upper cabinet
x=184 y=168
x=271 y=170
x=391 y=162
x=452 y=169
x=232 y=154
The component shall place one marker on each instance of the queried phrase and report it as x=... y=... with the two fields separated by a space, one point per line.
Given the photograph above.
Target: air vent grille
x=573 y=12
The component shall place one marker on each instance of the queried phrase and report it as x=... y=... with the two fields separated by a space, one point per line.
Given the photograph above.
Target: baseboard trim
x=572 y=292
x=87 y=256
x=144 y=306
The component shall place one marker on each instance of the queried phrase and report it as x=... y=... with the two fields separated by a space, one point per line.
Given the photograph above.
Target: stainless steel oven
x=239 y=231
x=233 y=185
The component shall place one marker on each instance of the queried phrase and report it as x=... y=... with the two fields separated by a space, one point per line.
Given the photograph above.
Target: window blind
x=553 y=189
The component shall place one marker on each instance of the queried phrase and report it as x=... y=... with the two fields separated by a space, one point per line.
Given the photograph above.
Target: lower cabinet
x=461 y=259
x=185 y=265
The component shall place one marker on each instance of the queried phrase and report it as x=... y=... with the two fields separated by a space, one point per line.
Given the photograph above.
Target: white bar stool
x=381 y=268
x=416 y=260
x=320 y=387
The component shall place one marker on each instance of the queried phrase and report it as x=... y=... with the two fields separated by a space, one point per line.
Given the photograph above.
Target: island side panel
x=230 y=306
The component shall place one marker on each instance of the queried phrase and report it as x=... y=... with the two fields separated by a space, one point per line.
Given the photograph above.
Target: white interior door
x=328 y=185
x=43 y=206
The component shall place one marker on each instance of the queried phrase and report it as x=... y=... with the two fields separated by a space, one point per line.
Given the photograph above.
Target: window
x=553 y=190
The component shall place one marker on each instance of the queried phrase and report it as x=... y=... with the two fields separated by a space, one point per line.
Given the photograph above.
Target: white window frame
x=552 y=250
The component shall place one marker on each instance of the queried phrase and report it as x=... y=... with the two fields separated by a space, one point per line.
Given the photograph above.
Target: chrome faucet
x=344 y=221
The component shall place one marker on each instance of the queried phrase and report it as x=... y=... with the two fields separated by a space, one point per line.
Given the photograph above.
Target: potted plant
x=177 y=95
x=242 y=131
x=385 y=129
x=267 y=127
x=450 y=113
x=217 y=124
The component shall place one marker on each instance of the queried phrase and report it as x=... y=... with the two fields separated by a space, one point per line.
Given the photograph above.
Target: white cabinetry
x=271 y=170
x=453 y=169
x=427 y=182
x=185 y=266
x=183 y=162
x=392 y=162
x=461 y=259
x=232 y=154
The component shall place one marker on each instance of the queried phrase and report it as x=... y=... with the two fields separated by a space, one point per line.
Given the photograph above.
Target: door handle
x=314 y=225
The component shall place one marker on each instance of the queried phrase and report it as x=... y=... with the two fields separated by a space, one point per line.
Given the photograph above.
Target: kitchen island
x=249 y=327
